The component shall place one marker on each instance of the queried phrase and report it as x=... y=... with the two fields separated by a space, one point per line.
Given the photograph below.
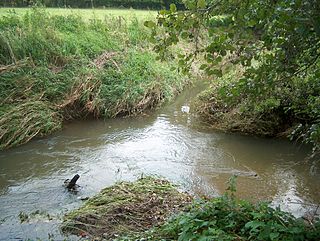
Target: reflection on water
x=167 y=144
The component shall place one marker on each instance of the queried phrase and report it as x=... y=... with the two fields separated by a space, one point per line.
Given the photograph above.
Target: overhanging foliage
x=275 y=43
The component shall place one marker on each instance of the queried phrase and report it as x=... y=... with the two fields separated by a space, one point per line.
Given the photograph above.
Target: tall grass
x=55 y=68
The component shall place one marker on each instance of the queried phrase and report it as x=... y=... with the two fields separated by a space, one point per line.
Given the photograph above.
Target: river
x=171 y=143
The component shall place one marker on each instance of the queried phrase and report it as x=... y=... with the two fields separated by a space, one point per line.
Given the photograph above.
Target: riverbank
x=286 y=111
x=55 y=68
x=152 y=209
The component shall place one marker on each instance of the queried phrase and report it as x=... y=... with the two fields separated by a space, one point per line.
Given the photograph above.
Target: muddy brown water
x=170 y=143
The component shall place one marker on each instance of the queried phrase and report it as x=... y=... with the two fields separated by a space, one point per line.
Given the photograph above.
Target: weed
x=23 y=217
x=35 y=215
x=227 y=218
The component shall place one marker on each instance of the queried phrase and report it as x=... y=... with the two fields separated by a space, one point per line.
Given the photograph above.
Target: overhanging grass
x=21 y=123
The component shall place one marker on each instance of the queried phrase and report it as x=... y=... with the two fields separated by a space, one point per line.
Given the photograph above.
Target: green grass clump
x=126 y=208
x=59 y=67
x=137 y=86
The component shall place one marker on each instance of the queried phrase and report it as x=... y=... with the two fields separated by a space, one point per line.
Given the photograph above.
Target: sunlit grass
x=88 y=14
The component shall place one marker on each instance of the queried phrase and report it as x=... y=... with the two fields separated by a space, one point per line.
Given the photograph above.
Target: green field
x=90 y=13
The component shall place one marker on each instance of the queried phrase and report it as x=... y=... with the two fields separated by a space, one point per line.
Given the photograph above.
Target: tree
x=276 y=42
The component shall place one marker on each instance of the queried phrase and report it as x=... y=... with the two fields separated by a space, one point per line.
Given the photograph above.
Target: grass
x=88 y=14
x=126 y=208
x=55 y=68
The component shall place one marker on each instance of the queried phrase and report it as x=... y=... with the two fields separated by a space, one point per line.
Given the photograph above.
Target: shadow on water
x=169 y=143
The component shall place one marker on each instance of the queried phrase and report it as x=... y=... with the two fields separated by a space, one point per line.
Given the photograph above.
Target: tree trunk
x=72 y=183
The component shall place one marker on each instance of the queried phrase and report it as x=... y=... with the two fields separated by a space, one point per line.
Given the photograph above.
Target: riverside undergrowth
x=55 y=68
x=152 y=209
x=224 y=218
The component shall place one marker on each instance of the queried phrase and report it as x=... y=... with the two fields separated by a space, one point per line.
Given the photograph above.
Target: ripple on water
x=165 y=144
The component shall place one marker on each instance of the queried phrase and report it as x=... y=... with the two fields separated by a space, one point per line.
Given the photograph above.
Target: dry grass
x=126 y=208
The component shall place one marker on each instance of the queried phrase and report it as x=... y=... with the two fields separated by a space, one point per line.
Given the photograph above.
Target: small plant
x=23 y=217
x=35 y=215
x=232 y=186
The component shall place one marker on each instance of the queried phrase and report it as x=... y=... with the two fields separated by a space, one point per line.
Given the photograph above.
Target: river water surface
x=170 y=143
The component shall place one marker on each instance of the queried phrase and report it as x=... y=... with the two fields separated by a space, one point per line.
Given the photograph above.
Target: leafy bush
x=227 y=218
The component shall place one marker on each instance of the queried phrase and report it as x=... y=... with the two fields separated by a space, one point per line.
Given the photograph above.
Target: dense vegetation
x=265 y=59
x=225 y=219
x=137 y=4
x=140 y=210
x=56 y=68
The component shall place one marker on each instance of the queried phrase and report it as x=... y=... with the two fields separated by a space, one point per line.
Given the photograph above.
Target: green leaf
x=163 y=12
x=184 y=35
x=150 y=24
x=181 y=62
x=251 y=23
x=173 y=7
x=274 y=236
x=203 y=66
x=254 y=224
x=201 y=3
x=217 y=72
x=191 y=5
